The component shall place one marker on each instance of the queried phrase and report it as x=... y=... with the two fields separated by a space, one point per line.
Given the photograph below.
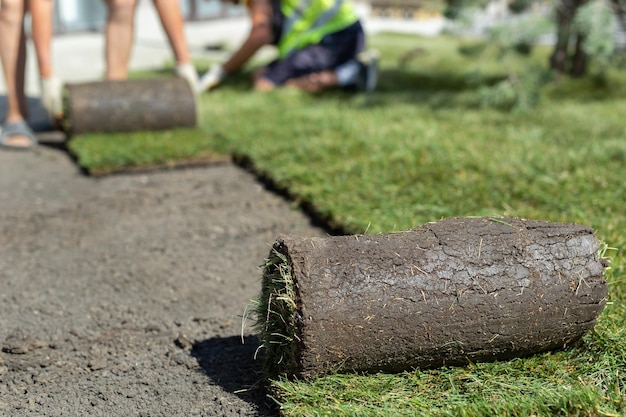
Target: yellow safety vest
x=306 y=22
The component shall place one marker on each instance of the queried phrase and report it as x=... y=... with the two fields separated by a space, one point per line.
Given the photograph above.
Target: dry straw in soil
x=277 y=316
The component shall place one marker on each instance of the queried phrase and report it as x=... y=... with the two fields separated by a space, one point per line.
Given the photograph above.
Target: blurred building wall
x=90 y=15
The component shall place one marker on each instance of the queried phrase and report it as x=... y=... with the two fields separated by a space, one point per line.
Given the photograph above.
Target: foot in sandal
x=17 y=136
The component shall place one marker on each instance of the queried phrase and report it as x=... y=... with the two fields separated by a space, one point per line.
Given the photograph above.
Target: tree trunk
x=445 y=293
x=579 y=58
x=121 y=106
x=562 y=59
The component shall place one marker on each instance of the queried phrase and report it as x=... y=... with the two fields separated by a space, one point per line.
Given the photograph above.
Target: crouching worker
x=320 y=44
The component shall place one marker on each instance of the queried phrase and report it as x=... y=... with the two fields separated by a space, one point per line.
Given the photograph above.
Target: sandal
x=20 y=128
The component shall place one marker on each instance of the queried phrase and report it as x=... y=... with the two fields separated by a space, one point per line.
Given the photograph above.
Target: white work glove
x=188 y=72
x=51 y=97
x=212 y=77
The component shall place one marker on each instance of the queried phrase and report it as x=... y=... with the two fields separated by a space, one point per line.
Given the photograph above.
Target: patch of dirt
x=201 y=161
x=124 y=295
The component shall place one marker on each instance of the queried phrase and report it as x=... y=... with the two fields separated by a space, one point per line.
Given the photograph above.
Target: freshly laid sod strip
x=106 y=153
x=446 y=134
x=457 y=291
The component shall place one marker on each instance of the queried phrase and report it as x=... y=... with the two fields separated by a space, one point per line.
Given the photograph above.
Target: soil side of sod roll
x=129 y=105
x=445 y=293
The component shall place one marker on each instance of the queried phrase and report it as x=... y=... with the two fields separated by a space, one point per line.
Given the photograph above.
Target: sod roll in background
x=445 y=293
x=129 y=105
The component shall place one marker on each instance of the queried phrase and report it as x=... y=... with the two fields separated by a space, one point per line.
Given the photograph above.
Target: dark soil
x=124 y=295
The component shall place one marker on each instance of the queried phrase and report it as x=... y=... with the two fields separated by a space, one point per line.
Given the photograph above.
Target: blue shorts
x=333 y=50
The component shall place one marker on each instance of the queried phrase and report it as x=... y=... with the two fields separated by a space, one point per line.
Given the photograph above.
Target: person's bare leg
x=41 y=33
x=13 y=57
x=172 y=20
x=119 y=35
x=315 y=82
x=312 y=83
x=173 y=24
x=260 y=82
x=263 y=84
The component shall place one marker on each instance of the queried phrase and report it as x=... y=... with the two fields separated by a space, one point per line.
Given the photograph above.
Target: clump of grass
x=110 y=152
x=277 y=316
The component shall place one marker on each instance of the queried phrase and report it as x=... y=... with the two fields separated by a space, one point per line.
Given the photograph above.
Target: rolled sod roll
x=129 y=105
x=445 y=293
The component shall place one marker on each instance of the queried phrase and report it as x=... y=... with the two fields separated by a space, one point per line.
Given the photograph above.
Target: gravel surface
x=124 y=295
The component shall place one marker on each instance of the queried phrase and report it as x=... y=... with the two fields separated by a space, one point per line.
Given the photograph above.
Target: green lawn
x=446 y=134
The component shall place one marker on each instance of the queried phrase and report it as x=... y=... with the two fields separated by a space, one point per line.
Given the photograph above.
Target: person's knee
x=260 y=82
x=121 y=6
x=121 y=3
x=263 y=84
x=12 y=6
x=47 y=3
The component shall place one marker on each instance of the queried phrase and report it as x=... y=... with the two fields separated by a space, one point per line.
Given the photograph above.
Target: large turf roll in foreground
x=445 y=293
x=129 y=105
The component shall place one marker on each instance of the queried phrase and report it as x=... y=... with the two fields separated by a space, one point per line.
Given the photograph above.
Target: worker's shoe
x=368 y=73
